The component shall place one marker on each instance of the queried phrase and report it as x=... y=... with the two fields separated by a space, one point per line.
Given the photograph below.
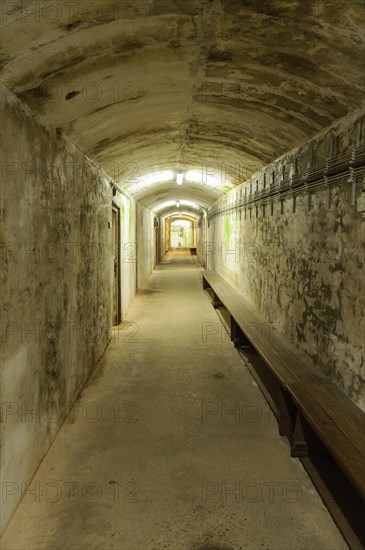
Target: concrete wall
x=167 y=235
x=201 y=239
x=162 y=237
x=128 y=247
x=302 y=266
x=146 y=244
x=138 y=246
x=56 y=283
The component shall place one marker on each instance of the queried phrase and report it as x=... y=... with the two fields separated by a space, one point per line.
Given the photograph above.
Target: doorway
x=116 y=298
x=181 y=234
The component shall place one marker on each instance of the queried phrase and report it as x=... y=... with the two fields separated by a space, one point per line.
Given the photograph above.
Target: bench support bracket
x=237 y=336
x=304 y=442
x=287 y=413
x=206 y=285
x=216 y=301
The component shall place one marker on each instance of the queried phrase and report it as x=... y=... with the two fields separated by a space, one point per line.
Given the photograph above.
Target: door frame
x=116 y=257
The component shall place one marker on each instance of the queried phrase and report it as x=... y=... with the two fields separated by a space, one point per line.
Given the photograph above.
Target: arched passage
x=248 y=117
x=180 y=232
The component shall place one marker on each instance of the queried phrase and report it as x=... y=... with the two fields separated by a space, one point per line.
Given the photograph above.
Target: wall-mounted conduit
x=338 y=170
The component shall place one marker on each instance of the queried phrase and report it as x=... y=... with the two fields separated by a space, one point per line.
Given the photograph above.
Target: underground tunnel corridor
x=171 y=444
x=182 y=217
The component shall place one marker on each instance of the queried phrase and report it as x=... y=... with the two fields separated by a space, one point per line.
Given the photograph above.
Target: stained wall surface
x=146 y=243
x=128 y=252
x=56 y=284
x=155 y=84
x=300 y=260
x=149 y=87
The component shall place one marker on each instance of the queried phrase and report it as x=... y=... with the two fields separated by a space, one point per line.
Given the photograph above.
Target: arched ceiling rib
x=178 y=215
x=161 y=84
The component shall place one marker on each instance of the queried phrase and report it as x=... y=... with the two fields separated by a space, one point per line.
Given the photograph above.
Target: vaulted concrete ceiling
x=153 y=85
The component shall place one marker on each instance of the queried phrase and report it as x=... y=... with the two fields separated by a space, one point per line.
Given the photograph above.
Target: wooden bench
x=323 y=425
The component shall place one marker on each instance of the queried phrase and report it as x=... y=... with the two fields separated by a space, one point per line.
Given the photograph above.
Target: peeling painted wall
x=302 y=265
x=56 y=284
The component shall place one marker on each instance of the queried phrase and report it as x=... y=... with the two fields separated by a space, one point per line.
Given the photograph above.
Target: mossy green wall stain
x=227 y=230
x=302 y=269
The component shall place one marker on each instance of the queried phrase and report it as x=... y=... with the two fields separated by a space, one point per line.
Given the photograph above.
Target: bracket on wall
x=352 y=180
x=115 y=188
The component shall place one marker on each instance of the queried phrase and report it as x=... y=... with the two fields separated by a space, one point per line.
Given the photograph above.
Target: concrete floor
x=154 y=459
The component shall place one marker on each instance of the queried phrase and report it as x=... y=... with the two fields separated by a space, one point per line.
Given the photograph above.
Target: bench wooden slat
x=345 y=414
x=289 y=363
x=333 y=429
x=338 y=423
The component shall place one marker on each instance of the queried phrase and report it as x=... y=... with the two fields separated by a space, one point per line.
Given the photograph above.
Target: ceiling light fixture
x=179 y=177
x=177 y=204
